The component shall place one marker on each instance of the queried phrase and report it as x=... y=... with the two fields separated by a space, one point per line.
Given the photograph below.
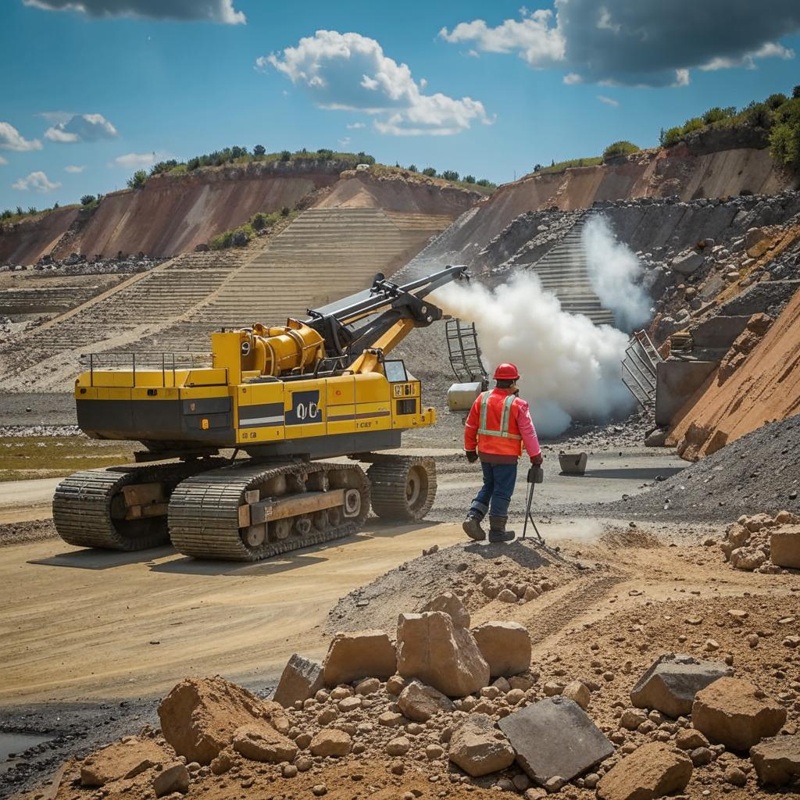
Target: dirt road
x=81 y=624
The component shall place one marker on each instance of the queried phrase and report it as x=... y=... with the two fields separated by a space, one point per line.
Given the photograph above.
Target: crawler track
x=403 y=487
x=89 y=507
x=205 y=511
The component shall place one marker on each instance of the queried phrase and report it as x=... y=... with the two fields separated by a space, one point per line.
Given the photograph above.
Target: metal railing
x=167 y=363
x=639 y=369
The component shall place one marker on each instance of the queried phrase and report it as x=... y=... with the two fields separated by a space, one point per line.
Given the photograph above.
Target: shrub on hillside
x=621 y=148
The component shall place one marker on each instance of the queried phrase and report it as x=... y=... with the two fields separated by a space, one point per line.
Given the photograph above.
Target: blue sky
x=96 y=89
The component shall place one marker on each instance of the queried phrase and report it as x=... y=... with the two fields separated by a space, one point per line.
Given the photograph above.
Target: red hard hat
x=506 y=372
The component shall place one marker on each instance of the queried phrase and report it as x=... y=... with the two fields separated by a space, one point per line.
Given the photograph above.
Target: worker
x=499 y=425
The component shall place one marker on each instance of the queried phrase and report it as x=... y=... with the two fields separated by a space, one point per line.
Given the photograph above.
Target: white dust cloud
x=570 y=368
x=615 y=274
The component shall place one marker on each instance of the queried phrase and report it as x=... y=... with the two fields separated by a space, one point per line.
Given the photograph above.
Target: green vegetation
x=137 y=180
x=560 y=166
x=25 y=457
x=622 y=148
x=239 y=237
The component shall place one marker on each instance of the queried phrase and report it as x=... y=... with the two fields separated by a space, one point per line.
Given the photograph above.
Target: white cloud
x=609 y=101
x=81 y=128
x=74 y=169
x=347 y=71
x=187 y=10
x=533 y=37
x=10 y=139
x=620 y=42
x=36 y=182
x=354 y=126
x=135 y=160
x=2 y=161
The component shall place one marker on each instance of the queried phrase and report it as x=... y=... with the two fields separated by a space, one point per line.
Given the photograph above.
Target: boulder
x=260 y=742
x=479 y=748
x=653 y=770
x=331 y=742
x=451 y=604
x=777 y=760
x=688 y=262
x=555 y=739
x=363 y=654
x=174 y=778
x=736 y=713
x=125 y=759
x=198 y=717
x=419 y=702
x=433 y=650
x=784 y=546
x=300 y=680
x=506 y=647
x=672 y=681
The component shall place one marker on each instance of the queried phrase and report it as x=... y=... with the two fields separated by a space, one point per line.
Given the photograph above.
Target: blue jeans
x=498 y=486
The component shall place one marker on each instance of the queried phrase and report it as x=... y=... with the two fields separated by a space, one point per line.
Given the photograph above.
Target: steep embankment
x=681 y=172
x=170 y=214
x=757 y=382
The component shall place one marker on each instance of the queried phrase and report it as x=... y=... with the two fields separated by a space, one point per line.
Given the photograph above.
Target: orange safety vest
x=498 y=432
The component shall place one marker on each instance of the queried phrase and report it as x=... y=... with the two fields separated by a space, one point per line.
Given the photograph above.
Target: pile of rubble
x=453 y=707
x=79 y=264
x=764 y=543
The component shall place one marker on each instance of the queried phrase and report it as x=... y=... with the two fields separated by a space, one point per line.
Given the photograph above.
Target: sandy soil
x=93 y=669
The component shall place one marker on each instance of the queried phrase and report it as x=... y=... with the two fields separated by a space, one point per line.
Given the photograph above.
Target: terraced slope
x=323 y=255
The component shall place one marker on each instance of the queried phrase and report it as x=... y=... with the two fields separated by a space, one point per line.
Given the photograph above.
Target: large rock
x=688 y=262
x=260 y=742
x=300 y=680
x=364 y=654
x=173 y=778
x=555 y=739
x=451 y=604
x=672 y=681
x=506 y=646
x=784 y=546
x=198 y=717
x=735 y=713
x=125 y=759
x=479 y=748
x=653 y=770
x=419 y=702
x=433 y=650
x=777 y=761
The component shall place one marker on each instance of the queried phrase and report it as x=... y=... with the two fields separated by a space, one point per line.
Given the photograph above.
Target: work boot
x=472 y=526
x=497 y=530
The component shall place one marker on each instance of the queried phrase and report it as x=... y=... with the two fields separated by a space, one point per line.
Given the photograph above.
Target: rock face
x=431 y=648
x=300 y=680
x=735 y=713
x=653 y=770
x=199 y=716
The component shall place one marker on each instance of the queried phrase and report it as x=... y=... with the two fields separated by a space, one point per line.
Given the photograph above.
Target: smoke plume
x=570 y=368
x=615 y=274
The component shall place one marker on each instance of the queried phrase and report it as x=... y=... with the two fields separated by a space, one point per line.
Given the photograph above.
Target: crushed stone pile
x=759 y=471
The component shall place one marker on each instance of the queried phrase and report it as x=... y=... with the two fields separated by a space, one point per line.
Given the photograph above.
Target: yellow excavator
x=287 y=401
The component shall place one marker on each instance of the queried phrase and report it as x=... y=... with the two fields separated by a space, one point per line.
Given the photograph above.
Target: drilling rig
x=289 y=402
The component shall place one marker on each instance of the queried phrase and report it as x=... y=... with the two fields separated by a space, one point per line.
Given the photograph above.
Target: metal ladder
x=463 y=351
x=639 y=369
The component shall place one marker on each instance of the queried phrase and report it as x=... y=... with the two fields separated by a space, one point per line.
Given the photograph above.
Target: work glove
x=472 y=456
x=537 y=461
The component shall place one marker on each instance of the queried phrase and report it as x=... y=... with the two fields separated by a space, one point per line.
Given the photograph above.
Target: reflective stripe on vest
x=507 y=403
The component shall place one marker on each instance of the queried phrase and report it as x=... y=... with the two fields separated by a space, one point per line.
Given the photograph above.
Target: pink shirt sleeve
x=526 y=430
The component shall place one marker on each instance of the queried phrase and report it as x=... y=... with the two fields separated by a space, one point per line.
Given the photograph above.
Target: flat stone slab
x=555 y=738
